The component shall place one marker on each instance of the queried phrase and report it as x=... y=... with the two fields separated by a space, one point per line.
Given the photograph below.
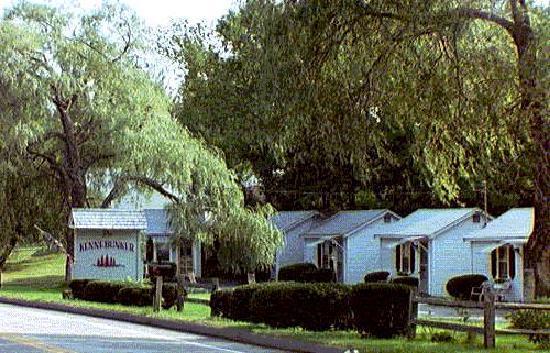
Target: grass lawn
x=32 y=277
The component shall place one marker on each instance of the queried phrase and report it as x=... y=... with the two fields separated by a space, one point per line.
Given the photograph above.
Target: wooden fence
x=488 y=305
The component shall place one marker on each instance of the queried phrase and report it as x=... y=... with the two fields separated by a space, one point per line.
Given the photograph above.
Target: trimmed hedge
x=315 y=307
x=122 y=292
x=77 y=286
x=376 y=277
x=306 y=273
x=406 y=280
x=460 y=287
x=240 y=302
x=301 y=272
x=104 y=292
x=220 y=303
x=381 y=310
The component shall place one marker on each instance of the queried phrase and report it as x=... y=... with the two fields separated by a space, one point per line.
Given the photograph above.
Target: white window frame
x=505 y=260
x=402 y=248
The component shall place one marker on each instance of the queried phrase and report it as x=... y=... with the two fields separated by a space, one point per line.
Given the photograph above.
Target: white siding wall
x=449 y=256
x=387 y=256
x=482 y=264
x=293 y=248
x=310 y=251
x=364 y=253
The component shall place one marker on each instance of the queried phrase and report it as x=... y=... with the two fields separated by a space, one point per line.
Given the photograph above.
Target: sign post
x=157 y=300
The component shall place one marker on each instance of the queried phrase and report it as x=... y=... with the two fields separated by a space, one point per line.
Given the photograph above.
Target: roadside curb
x=232 y=334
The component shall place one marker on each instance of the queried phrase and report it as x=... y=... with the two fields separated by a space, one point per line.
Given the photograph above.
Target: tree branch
x=145 y=181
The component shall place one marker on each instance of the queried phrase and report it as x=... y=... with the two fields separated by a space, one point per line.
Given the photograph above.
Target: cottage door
x=423 y=268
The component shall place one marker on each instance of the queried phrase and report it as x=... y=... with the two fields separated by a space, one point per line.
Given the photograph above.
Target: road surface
x=29 y=330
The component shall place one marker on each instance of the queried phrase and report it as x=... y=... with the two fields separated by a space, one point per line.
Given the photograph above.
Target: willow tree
x=425 y=95
x=86 y=117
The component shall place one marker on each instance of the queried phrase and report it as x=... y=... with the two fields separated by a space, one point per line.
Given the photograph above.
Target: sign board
x=112 y=255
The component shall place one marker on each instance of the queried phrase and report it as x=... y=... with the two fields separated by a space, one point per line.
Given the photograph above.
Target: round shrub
x=532 y=320
x=376 y=277
x=220 y=303
x=460 y=287
x=302 y=272
x=406 y=280
x=77 y=286
x=316 y=307
x=105 y=292
x=324 y=275
x=381 y=310
x=136 y=296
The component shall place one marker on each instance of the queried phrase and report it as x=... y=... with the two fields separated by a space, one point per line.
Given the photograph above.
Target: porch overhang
x=414 y=238
x=516 y=243
x=320 y=240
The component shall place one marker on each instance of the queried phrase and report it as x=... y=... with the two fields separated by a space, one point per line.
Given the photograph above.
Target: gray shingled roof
x=345 y=222
x=426 y=221
x=158 y=222
x=516 y=223
x=285 y=220
x=103 y=218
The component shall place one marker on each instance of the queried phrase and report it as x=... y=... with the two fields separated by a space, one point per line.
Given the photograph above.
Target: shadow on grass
x=39 y=282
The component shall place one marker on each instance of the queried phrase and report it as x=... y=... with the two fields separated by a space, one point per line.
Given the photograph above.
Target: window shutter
x=494 y=263
x=319 y=256
x=511 y=262
x=413 y=259
x=397 y=258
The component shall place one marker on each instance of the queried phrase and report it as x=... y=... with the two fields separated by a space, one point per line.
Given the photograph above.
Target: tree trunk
x=532 y=107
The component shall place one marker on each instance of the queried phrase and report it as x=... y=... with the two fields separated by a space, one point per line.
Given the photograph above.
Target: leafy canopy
x=81 y=114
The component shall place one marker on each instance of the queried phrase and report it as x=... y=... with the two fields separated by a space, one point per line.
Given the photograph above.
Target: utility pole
x=485 y=202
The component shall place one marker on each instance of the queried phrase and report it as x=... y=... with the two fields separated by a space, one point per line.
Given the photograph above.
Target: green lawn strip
x=40 y=278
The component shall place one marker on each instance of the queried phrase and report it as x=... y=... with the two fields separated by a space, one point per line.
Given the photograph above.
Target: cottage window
x=476 y=218
x=405 y=258
x=503 y=262
x=387 y=218
x=326 y=252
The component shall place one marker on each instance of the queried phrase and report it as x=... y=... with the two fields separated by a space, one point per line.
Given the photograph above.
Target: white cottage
x=429 y=244
x=107 y=243
x=498 y=251
x=292 y=224
x=159 y=239
x=345 y=242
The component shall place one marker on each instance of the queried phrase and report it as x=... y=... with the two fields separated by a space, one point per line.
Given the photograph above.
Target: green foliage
x=220 y=303
x=532 y=320
x=381 y=310
x=305 y=273
x=300 y=272
x=442 y=337
x=314 y=307
x=406 y=280
x=374 y=277
x=80 y=115
x=125 y=293
x=460 y=287
x=385 y=101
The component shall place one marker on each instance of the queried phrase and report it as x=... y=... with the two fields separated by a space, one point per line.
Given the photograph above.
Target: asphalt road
x=29 y=330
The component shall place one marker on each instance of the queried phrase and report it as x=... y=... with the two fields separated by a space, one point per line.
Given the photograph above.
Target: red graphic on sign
x=107 y=261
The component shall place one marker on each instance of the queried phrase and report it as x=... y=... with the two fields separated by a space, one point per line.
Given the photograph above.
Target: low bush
x=302 y=272
x=324 y=275
x=406 y=280
x=316 y=307
x=240 y=302
x=460 y=287
x=441 y=337
x=220 y=303
x=77 y=286
x=136 y=296
x=104 y=292
x=532 y=320
x=376 y=277
x=381 y=310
